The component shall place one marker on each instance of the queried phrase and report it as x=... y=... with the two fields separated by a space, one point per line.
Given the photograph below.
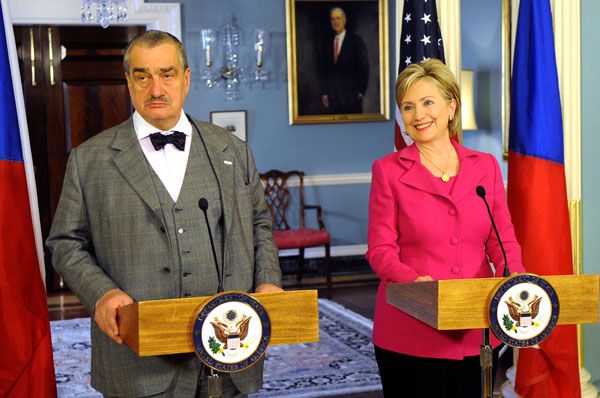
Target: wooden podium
x=463 y=303
x=161 y=327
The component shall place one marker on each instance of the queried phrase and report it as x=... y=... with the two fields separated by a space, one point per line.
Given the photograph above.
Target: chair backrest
x=278 y=196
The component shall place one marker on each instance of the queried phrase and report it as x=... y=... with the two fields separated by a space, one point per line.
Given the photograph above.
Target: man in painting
x=345 y=68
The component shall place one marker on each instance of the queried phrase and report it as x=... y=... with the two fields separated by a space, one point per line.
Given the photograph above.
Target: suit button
x=185 y=274
x=166 y=270
x=452 y=212
x=178 y=209
x=455 y=270
x=185 y=252
x=163 y=230
x=454 y=240
x=186 y=294
x=181 y=230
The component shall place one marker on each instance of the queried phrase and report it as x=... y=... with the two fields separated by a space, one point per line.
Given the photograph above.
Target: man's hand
x=106 y=312
x=424 y=278
x=268 y=288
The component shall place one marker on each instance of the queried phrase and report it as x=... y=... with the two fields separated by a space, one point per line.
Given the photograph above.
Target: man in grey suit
x=128 y=226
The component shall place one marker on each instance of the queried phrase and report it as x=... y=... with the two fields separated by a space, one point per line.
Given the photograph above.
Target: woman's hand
x=424 y=278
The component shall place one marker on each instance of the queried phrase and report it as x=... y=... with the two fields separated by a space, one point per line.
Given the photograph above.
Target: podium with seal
x=521 y=310
x=228 y=332
x=175 y=326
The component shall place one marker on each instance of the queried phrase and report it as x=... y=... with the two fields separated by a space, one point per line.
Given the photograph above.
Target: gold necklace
x=445 y=177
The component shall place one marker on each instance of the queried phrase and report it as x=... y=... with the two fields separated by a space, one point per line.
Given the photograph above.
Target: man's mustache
x=161 y=99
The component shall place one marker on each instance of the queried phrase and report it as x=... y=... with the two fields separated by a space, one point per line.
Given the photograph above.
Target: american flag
x=420 y=40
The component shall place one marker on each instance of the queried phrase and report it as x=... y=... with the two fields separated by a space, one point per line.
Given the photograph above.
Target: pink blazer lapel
x=470 y=173
x=418 y=177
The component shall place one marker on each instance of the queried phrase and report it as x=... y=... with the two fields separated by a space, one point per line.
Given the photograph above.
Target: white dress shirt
x=340 y=39
x=169 y=163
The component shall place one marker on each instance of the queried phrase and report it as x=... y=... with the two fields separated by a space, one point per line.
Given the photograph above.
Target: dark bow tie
x=159 y=140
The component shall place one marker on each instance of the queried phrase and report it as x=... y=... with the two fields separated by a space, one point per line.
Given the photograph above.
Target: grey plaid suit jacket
x=107 y=234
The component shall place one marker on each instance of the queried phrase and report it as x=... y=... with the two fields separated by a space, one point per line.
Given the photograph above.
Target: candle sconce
x=259 y=75
x=231 y=75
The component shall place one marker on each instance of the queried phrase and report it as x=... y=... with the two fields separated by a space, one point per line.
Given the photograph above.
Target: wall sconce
x=261 y=38
x=467 y=100
x=231 y=75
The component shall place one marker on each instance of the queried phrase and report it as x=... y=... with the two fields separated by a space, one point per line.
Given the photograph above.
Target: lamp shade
x=467 y=100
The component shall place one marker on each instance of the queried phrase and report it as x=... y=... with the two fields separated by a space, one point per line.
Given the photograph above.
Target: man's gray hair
x=153 y=38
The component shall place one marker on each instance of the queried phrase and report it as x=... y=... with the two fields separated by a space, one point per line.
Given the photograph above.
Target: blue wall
x=481 y=41
x=322 y=149
x=590 y=135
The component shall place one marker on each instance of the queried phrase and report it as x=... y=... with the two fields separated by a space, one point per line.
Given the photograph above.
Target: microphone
x=203 y=205
x=481 y=193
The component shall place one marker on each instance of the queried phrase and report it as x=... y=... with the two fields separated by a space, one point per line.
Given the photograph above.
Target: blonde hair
x=437 y=73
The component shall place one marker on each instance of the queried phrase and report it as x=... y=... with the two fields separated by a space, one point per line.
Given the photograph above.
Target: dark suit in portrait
x=344 y=81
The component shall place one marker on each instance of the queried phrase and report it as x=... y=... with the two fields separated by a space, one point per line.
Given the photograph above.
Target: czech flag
x=26 y=364
x=537 y=194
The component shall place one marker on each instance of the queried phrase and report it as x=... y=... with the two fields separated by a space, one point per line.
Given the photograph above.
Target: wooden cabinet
x=74 y=87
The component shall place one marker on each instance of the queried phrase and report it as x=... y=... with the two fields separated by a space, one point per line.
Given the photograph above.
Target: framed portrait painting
x=337 y=61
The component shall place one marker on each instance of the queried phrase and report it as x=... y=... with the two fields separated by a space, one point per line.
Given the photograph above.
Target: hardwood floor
x=64 y=305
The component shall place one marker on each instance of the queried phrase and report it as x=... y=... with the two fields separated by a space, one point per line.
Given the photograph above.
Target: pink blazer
x=417 y=227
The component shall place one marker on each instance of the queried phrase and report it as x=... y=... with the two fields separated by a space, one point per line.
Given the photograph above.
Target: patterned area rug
x=342 y=362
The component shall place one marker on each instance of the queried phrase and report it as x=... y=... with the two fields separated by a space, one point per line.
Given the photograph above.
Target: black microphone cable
x=481 y=193
x=203 y=205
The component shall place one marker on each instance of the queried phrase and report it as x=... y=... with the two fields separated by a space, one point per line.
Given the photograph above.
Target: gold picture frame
x=314 y=88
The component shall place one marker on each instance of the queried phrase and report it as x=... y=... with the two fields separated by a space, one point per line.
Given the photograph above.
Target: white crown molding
x=319 y=252
x=333 y=179
x=161 y=16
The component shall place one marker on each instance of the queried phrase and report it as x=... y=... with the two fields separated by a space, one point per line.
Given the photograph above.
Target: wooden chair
x=278 y=197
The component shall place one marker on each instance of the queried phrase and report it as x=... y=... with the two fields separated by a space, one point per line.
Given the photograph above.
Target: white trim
x=319 y=252
x=162 y=16
x=567 y=42
x=333 y=179
x=449 y=15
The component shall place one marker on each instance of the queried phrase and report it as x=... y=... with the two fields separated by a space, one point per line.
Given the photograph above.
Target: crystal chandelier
x=231 y=75
x=104 y=11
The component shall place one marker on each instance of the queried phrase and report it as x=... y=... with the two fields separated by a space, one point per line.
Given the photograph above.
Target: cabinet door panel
x=84 y=120
x=80 y=90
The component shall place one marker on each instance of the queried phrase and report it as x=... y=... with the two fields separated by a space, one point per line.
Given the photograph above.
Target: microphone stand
x=486 y=351
x=485 y=360
x=215 y=382
x=203 y=205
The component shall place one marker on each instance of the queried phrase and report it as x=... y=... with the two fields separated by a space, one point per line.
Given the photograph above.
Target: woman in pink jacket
x=426 y=223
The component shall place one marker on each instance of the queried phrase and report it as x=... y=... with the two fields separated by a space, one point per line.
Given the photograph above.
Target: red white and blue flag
x=537 y=194
x=420 y=39
x=26 y=365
